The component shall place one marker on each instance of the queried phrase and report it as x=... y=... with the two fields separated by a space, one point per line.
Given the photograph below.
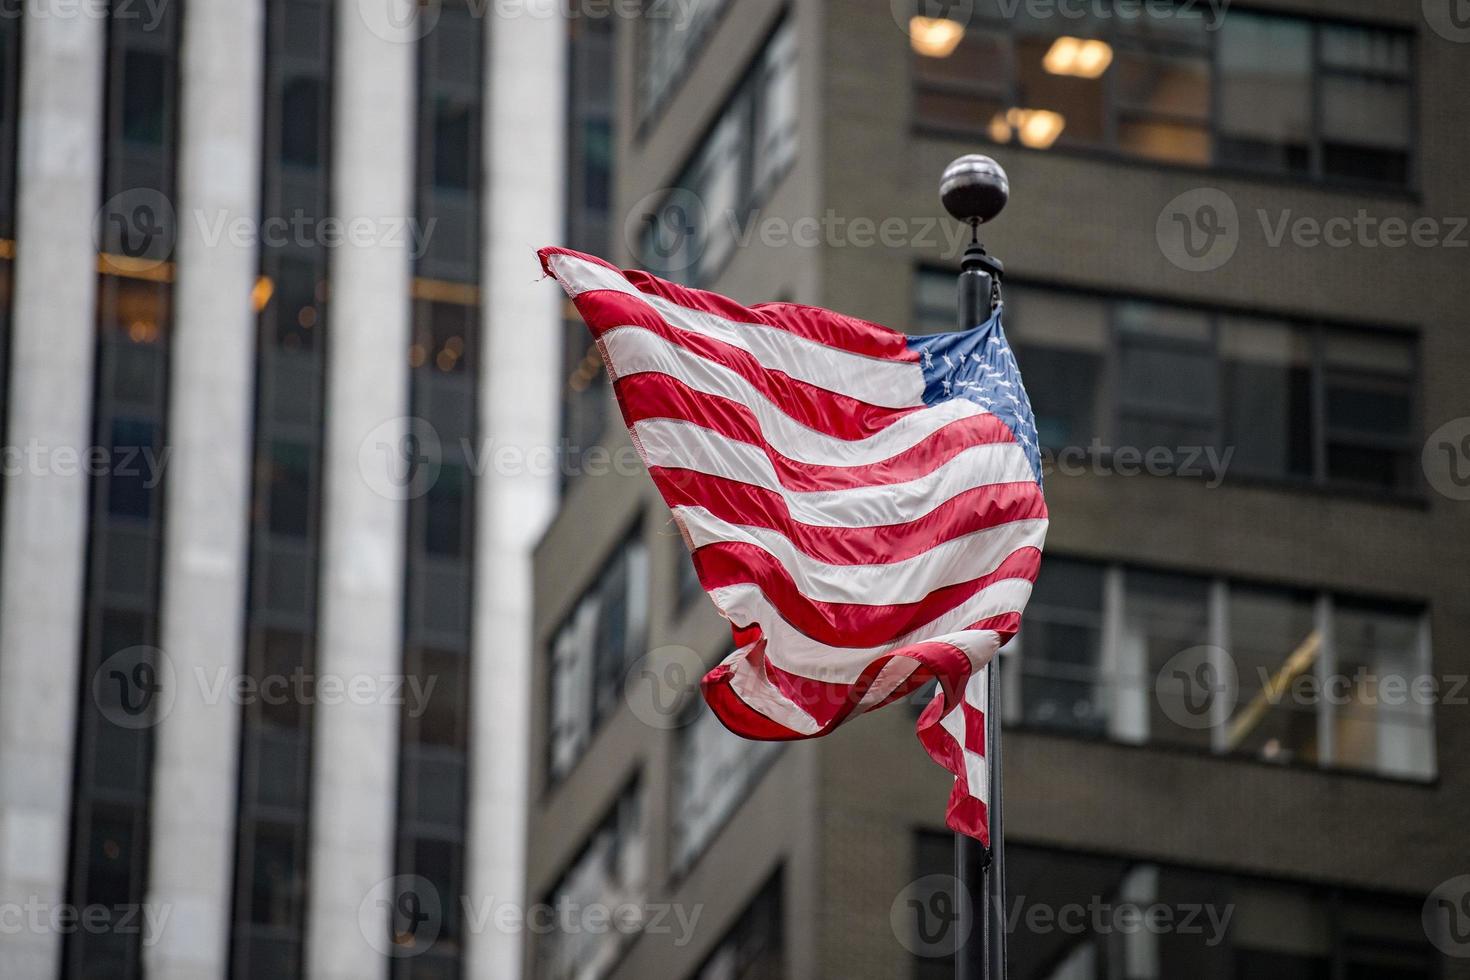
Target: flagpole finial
x=974 y=189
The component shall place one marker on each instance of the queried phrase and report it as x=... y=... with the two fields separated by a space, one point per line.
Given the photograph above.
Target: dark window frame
x=1318 y=331
x=1109 y=149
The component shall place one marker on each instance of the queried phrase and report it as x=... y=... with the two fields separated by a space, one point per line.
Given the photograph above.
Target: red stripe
x=829 y=412
x=659 y=396
x=845 y=624
x=822 y=326
x=741 y=503
x=827 y=703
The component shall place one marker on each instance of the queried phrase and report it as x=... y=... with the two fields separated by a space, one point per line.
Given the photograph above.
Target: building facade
x=1235 y=250
x=269 y=294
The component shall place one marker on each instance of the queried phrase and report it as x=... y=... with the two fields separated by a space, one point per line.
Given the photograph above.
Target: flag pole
x=974 y=189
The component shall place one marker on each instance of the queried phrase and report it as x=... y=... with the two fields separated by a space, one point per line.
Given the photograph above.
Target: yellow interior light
x=935 y=37
x=1078 y=57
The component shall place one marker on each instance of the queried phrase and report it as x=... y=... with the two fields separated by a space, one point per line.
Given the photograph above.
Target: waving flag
x=863 y=506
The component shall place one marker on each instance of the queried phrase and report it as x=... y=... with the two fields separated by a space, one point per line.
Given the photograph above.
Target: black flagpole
x=974 y=189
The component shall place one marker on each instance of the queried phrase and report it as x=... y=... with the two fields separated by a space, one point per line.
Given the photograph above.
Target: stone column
x=59 y=174
x=355 y=760
x=520 y=384
x=207 y=486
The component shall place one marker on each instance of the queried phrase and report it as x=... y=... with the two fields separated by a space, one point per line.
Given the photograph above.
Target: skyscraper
x=1233 y=693
x=270 y=295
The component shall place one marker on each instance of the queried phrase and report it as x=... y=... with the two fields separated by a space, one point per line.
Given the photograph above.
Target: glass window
x=1370 y=409
x=1163 y=615
x=605 y=633
x=715 y=771
x=1286 y=400
x=610 y=872
x=670 y=36
x=753 y=949
x=1167 y=378
x=1062 y=641
x=1249 y=928
x=1274 y=642
x=691 y=234
x=1265 y=91
x=290 y=468
x=1384 y=717
x=1262 y=91
x=1267 y=397
x=1061 y=344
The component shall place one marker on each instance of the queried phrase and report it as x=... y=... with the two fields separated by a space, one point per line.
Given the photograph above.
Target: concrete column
x=519 y=405
x=195 y=768
x=356 y=743
x=45 y=525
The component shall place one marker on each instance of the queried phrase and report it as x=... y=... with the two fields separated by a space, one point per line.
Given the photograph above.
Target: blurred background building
x=269 y=289
x=1169 y=301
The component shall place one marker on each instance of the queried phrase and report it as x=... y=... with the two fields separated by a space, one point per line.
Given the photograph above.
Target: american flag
x=863 y=506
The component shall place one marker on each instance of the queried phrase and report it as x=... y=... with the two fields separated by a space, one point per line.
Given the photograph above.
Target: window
x=1255 y=91
x=1143 y=656
x=592 y=90
x=112 y=798
x=1244 y=928
x=596 y=644
x=690 y=235
x=1289 y=400
x=754 y=948
x=443 y=360
x=272 y=841
x=670 y=36
x=610 y=873
x=1064 y=636
x=714 y=772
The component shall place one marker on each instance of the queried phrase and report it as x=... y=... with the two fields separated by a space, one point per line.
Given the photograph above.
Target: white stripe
x=637 y=350
x=797 y=653
x=684 y=445
x=960 y=559
x=875 y=380
x=751 y=685
x=977 y=768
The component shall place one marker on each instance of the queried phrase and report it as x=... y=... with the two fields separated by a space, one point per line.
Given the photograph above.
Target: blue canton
x=978 y=364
